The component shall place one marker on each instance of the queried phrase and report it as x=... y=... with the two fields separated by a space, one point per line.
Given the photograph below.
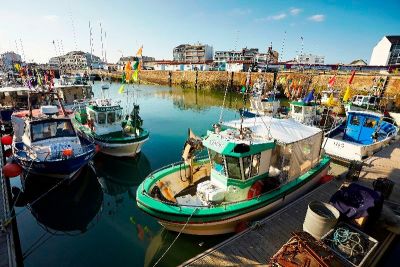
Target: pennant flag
x=135 y=65
x=282 y=80
x=347 y=94
x=128 y=70
x=330 y=101
x=135 y=75
x=17 y=67
x=139 y=52
x=123 y=77
x=243 y=89
x=309 y=97
x=352 y=76
x=332 y=81
x=121 y=90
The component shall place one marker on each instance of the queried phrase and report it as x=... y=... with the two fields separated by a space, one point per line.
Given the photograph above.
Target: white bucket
x=320 y=218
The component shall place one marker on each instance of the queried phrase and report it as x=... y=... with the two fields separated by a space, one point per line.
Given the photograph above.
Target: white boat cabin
x=305 y=113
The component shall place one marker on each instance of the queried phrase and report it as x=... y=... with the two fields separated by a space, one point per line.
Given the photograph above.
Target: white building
x=77 y=60
x=193 y=53
x=181 y=66
x=8 y=59
x=310 y=59
x=238 y=65
x=386 y=52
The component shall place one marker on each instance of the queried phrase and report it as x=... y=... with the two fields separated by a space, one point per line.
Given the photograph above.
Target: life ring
x=255 y=190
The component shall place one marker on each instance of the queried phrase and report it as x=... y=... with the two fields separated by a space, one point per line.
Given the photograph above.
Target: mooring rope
x=176 y=238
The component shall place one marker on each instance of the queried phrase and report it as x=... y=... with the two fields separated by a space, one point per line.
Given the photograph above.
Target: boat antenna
x=283 y=45
x=248 y=76
x=105 y=50
x=223 y=102
x=101 y=40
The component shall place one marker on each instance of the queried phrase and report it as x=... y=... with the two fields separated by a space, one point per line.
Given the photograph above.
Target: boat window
x=119 y=115
x=92 y=116
x=233 y=166
x=297 y=109
x=110 y=117
x=101 y=117
x=217 y=161
x=251 y=165
x=355 y=120
x=370 y=123
x=52 y=129
x=365 y=100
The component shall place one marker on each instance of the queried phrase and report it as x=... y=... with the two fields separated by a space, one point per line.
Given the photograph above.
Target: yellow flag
x=139 y=52
x=346 y=94
x=396 y=70
x=282 y=80
x=17 y=66
x=330 y=101
x=135 y=75
x=121 y=90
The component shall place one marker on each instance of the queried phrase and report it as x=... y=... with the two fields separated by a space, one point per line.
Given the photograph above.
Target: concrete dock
x=10 y=252
x=256 y=245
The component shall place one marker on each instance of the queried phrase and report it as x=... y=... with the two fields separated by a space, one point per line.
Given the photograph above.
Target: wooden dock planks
x=258 y=244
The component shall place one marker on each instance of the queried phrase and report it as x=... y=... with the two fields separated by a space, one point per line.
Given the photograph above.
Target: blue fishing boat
x=47 y=144
x=364 y=133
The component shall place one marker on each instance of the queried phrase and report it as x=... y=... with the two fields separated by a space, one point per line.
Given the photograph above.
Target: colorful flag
x=309 y=97
x=17 y=67
x=135 y=75
x=347 y=94
x=352 y=76
x=332 y=81
x=396 y=70
x=121 y=89
x=139 y=52
x=282 y=80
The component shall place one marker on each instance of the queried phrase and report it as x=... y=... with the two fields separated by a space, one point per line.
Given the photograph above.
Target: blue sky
x=340 y=30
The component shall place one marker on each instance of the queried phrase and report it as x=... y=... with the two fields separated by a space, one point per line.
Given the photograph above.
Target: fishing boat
x=254 y=166
x=309 y=113
x=364 y=133
x=47 y=144
x=102 y=121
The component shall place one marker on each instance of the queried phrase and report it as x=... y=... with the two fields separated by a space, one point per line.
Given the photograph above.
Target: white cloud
x=295 y=11
x=50 y=17
x=317 y=18
x=277 y=17
x=240 y=11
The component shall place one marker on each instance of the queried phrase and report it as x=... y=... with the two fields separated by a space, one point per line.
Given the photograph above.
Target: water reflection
x=62 y=206
x=185 y=247
x=120 y=175
x=200 y=100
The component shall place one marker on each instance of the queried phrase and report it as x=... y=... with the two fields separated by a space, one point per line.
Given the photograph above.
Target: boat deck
x=256 y=245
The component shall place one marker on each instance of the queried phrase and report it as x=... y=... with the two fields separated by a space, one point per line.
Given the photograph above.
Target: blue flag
x=309 y=97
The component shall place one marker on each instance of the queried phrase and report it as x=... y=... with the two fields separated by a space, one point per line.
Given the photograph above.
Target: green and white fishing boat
x=103 y=122
x=253 y=167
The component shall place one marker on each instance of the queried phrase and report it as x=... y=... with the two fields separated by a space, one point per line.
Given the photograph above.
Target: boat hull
x=61 y=169
x=221 y=223
x=121 y=150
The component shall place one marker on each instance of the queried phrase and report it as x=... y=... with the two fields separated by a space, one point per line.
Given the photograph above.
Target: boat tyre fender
x=255 y=190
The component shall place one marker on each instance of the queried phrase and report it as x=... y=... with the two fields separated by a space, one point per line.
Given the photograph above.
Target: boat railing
x=34 y=153
x=223 y=204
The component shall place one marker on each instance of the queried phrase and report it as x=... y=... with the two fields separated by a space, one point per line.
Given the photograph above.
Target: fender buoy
x=12 y=170
x=326 y=178
x=255 y=190
x=6 y=140
x=240 y=227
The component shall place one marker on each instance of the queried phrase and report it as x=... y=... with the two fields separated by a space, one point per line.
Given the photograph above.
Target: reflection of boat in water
x=117 y=175
x=63 y=206
x=191 y=245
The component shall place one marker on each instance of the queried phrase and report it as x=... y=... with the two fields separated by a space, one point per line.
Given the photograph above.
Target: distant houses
x=8 y=60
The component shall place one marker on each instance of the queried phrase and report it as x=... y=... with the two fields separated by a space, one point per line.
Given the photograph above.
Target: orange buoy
x=12 y=170
x=255 y=190
x=6 y=140
x=68 y=152
x=8 y=153
x=97 y=148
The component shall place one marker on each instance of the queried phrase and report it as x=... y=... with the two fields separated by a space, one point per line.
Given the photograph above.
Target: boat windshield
x=52 y=129
x=217 y=162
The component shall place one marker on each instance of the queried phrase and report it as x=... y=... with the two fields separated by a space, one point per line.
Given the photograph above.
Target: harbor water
x=94 y=220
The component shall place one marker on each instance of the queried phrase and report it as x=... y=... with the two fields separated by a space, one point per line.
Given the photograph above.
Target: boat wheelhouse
x=309 y=113
x=364 y=133
x=251 y=170
x=102 y=121
x=48 y=145
x=363 y=102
